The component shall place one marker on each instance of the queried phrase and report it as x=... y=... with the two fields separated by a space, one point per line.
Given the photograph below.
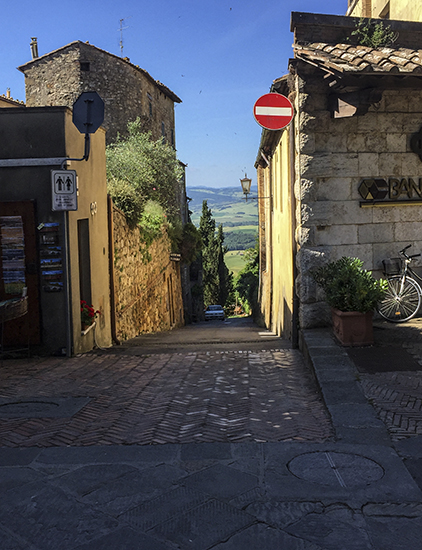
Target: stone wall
x=128 y=91
x=148 y=294
x=333 y=156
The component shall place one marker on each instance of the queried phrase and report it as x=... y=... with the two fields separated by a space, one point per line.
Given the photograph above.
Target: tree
x=247 y=281
x=141 y=170
x=217 y=280
x=225 y=276
x=209 y=255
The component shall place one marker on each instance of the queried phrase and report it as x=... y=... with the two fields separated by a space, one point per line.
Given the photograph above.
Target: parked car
x=214 y=312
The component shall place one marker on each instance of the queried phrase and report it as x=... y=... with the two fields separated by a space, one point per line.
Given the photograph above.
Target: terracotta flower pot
x=352 y=328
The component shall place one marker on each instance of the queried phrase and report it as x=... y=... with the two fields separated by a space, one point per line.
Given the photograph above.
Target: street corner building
x=345 y=177
x=128 y=91
x=58 y=256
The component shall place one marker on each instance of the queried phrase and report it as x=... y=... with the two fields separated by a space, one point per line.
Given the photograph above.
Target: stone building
x=345 y=178
x=59 y=77
x=386 y=9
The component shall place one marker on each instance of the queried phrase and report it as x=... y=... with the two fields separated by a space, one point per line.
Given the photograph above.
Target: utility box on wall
x=65 y=253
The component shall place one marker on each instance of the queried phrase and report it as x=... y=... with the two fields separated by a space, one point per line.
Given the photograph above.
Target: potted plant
x=353 y=294
x=88 y=315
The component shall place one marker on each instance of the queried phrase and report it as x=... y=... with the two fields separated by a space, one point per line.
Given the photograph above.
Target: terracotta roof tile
x=398 y=60
x=345 y=57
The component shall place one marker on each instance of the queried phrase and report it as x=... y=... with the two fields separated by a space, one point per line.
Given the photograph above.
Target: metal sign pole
x=67 y=285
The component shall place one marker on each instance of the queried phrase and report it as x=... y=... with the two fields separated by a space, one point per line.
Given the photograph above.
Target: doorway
x=18 y=269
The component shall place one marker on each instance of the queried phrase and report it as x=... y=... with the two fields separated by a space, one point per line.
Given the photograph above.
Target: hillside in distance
x=229 y=208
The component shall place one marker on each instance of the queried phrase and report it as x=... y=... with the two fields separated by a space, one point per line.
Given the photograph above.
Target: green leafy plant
x=247 y=281
x=349 y=287
x=190 y=244
x=126 y=198
x=217 y=280
x=374 y=35
x=152 y=220
x=139 y=170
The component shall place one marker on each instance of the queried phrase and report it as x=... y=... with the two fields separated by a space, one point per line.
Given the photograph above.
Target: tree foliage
x=217 y=279
x=349 y=287
x=140 y=170
x=246 y=283
x=240 y=240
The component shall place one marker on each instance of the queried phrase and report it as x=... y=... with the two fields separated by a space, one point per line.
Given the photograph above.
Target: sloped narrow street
x=209 y=382
x=215 y=436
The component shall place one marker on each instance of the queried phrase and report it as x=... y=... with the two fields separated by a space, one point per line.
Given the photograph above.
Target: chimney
x=8 y=93
x=34 y=47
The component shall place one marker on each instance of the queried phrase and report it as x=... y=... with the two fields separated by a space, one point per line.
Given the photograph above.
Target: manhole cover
x=332 y=468
x=42 y=407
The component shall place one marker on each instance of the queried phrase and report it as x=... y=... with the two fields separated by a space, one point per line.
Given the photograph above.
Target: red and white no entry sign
x=273 y=111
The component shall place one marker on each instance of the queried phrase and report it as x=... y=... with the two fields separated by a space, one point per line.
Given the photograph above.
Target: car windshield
x=214 y=308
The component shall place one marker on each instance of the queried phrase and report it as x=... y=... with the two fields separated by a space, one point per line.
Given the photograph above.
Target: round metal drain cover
x=28 y=408
x=332 y=468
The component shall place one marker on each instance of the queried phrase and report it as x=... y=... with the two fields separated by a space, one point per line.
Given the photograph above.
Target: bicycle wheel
x=401 y=301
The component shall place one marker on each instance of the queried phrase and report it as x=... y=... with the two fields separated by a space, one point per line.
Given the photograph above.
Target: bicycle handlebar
x=406 y=255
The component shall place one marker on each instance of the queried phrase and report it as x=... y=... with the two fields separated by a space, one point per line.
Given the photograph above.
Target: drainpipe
x=111 y=270
x=295 y=305
x=270 y=244
x=67 y=286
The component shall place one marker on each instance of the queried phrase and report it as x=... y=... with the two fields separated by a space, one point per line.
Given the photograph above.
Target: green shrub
x=127 y=199
x=152 y=220
x=349 y=287
x=150 y=167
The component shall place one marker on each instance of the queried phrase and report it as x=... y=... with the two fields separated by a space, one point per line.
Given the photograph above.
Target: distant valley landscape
x=238 y=217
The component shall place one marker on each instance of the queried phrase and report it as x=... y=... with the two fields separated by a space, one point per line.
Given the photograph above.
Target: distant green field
x=235 y=260
x=239 y=218
x=226 y=205
x=241 y=228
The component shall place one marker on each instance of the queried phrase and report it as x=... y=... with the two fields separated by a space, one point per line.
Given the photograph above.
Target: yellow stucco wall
x=277 y=278
x=405 y=10
x=92 y=205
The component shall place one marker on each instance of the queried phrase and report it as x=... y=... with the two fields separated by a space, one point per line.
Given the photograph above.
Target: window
x=150 y=104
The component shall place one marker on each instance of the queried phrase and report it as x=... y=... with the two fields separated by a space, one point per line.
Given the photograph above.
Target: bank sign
x=390 y=191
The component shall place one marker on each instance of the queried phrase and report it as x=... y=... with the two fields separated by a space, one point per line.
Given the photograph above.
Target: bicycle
x=404 y=294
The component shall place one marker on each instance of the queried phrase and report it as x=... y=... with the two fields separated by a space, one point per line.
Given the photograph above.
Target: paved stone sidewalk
x=216 y=496
x=391 y=376
x=266 y=395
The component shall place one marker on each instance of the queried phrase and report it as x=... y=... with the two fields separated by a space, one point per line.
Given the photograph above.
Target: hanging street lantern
x=246 y=186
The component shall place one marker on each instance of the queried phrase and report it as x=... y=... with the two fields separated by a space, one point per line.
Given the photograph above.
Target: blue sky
x=218 y=56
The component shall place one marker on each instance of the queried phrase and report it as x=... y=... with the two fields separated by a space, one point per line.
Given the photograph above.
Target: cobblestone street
x=214 y=436
x=166 y=398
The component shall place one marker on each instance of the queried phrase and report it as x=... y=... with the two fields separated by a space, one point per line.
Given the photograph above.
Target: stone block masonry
x=148 y=292
x=59 y=77
x=344 y=152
